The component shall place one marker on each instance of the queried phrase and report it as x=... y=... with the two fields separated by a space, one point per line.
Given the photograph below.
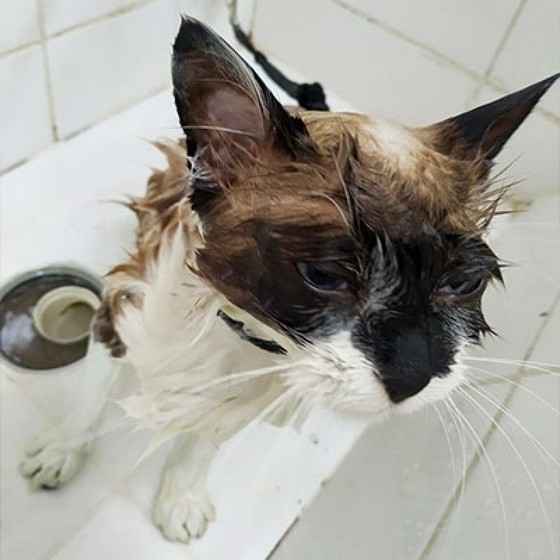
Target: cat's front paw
x=54 y=457
x=182 y=515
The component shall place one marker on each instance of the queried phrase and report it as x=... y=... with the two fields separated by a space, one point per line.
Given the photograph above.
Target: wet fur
x=396 y=215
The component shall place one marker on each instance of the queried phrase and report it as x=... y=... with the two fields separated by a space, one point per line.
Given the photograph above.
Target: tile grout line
x=47 y=69
x=137 y=4
x=440 y=57
x=481 y=80
x=19 y=48
x=485 y=78
x=485 y=440
x=96 y=19
x=129 y=105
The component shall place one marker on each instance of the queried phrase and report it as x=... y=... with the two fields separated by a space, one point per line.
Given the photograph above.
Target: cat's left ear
x=482 y=132
x=227 y=113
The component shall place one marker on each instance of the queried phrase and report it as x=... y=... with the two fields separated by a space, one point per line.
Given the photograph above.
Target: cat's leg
x=55 y=456
x=182 y=507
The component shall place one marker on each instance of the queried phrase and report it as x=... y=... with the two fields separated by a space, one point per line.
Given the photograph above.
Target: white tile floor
x=400 y=493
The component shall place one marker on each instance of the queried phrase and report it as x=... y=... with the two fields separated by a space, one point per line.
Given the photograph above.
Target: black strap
x=309 y=96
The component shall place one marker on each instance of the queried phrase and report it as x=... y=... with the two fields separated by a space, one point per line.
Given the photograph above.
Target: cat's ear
x=225 y=110
x=482 y=132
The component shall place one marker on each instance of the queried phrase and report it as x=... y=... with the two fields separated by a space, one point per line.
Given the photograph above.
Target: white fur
x=396 y=142
x=181 y=351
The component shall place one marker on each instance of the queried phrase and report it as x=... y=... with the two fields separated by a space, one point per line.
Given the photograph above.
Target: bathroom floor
x=480 y=483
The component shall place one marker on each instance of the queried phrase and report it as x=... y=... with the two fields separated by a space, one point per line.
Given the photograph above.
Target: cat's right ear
x=481 y=133
x=225 y=110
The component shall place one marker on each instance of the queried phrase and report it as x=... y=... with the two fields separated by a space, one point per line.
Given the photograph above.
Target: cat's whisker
x=448 y=440
x=267 y=412
x=481 y=451
x=516 y=223
x=519 y=457
x=537 y=366
x=518 y=385
x=508 y=414
x=236 y=378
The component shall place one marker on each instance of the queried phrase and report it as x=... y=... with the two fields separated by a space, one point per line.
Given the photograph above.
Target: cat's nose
x=410 y=366
x=404 y=387
x=406 y=352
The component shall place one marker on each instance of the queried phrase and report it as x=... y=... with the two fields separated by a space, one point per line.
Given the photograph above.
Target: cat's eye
x=463 y=287
x=322 y=276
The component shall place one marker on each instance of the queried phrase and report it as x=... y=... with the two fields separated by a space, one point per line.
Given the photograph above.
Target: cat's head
x=360 y=239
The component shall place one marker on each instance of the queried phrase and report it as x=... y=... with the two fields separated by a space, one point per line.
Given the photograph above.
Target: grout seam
x=44 y=35
x=436 y=55
x=19 y=48
x=47 y=69
x=137 y=4
x=480 y=79
x=485 y=78
x=129 y=105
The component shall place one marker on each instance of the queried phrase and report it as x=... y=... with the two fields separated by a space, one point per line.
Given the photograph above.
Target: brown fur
x=350 y=179
x=160 y=212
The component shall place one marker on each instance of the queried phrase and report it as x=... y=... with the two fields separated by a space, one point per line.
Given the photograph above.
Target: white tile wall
x=25 y=122
x=375 y=71
x=467 y=32
x=63 y=14
x=90 y=59
x=18 y=23
x=100 y=69
x=532 y=51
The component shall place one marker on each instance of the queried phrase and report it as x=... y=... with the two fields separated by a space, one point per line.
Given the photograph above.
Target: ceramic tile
x=18 y=23
x=104 y=165
x=118 y=61
x=121 y=531
x=24 y=110
x=531 y=52
x=529 y=482
x=62 y=14
x=375 y=71
x=36 y=522
x=390 y=490
x=468 y=32
x=547 y=350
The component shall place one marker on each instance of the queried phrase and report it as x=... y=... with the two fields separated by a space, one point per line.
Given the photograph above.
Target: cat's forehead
x=397 y=180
